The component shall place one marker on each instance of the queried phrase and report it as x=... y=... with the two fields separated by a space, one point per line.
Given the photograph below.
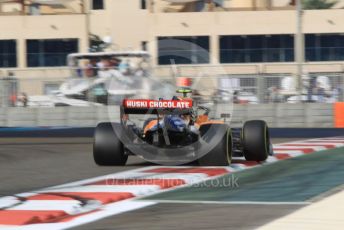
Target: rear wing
x=144 y=106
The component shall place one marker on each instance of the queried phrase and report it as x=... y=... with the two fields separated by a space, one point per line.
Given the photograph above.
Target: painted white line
x=238 y=166
x=339 y=143
x=271 y=159
x=310 y=144
x=291 y=153
x=135 y=173
x=125 y=174
x=315 y=148
x=313 y=141
x=323 y=142
x=8 y=201
x=333 y=138
x=4 y=227
x=48 y=205
x=229 y=202
x=137 y=190
x=187 y=177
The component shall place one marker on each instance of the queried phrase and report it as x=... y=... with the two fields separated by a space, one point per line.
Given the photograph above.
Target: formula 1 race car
x=177 y=133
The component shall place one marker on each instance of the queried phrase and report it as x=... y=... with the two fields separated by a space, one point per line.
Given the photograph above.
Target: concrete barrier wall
x=287 y=115
x=276 y=115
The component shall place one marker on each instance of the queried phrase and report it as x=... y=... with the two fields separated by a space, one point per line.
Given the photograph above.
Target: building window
x=256 y=48
x=143 y=4
x=97 y=4
x=8 y=53
x=324 y=47
x=255 y=44
x=144 y=45
x=183 y=50
x=49 y=52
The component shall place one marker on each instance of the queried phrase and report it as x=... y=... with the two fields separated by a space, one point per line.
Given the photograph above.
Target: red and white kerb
x=73 y=204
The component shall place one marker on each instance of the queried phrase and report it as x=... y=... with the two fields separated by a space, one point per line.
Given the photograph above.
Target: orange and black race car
x=176 y=132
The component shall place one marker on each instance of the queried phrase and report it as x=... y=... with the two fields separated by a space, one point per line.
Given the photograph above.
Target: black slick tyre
x=108 y=150
x=255 y=140
x=221 y=154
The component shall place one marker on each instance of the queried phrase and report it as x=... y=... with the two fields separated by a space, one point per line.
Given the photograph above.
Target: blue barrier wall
x=42 y=132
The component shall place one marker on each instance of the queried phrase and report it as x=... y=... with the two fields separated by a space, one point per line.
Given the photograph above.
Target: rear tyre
x=256 y=140
x=107 y=147
x=221 y=154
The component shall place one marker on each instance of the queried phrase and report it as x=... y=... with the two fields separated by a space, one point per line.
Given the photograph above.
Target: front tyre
x=221 y=154
x=256 y=140
x=108 y=150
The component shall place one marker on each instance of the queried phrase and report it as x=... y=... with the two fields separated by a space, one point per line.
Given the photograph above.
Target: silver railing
x=268 y=83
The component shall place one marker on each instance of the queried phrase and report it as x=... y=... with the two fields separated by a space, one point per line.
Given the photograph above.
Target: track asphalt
x=31 y=163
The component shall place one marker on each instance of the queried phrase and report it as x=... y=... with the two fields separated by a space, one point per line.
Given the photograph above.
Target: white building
x=36 y=35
